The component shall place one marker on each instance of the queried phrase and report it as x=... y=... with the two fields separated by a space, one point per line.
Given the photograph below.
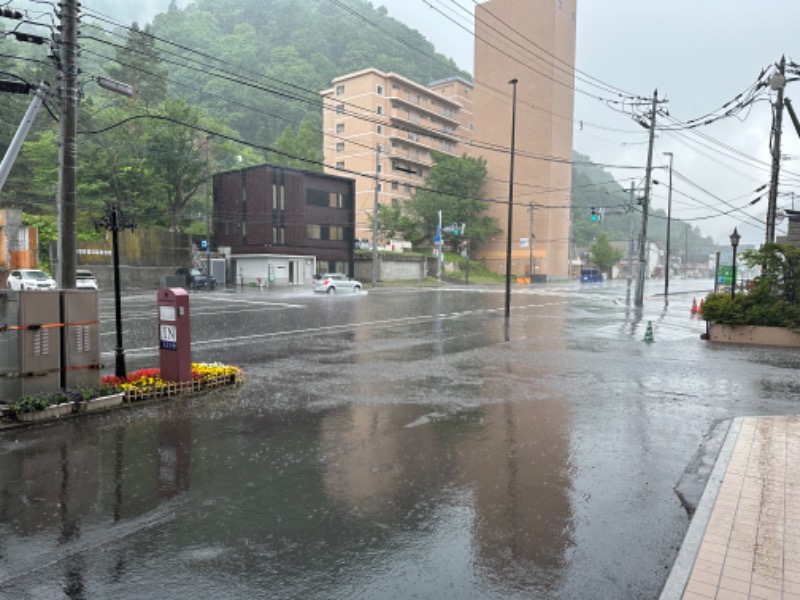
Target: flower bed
x=138 y=385
x=147 y=383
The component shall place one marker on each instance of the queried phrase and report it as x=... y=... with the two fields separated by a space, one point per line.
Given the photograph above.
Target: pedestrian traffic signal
x=594 y=214
x=455 y=228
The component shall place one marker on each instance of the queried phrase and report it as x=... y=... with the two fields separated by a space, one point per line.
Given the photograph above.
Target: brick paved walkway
x=744 y=540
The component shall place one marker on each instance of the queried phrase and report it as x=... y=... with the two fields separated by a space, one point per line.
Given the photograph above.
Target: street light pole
x=208 y=213
x=375 y=260
x=668 y=266
x=530 y=242
x=513 y=82
x=115 y=222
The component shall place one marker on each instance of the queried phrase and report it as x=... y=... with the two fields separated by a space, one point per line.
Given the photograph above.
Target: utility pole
x=439 y=248
x=530 y=244
x=375 y=264
x=668 y=266
x=68 y=176
x=777 y=82
x=639 y=300
x=630 y=239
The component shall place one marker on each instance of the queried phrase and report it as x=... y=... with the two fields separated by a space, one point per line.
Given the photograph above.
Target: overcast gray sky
x=698 y=53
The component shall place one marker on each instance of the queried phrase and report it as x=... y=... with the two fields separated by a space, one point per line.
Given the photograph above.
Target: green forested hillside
x=594 y=186
x=275 y=56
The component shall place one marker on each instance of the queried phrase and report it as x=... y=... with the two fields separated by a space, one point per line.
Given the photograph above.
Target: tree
x=301 y=149
x=604 y=256
x=138 y=63
x=453 y=186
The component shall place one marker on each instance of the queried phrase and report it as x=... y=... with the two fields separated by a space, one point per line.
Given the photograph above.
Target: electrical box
x=80 y=309
x=30 y=343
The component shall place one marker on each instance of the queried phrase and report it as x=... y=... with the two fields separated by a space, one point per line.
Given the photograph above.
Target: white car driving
x=30 y=279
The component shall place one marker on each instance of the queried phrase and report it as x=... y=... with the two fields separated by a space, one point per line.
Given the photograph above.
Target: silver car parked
x=330 y=283
x=30 y=279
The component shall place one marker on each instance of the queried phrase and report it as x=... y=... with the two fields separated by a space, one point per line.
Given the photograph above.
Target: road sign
x=725 y=274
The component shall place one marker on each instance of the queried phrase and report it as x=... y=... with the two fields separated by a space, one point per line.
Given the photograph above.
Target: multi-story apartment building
x=380 y=128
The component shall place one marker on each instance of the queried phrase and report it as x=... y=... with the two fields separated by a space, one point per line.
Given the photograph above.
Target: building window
x=340 y=90
x=340 y=128
x=335 y=200
x=283 y=236
x=380 y=168
x=274 y=235
x=380 y=110
x=274 y=196
x=395 y=202
x=313 y=232
x=380 y=90
x=340 y=147
x=340 y=164
x=380 y=187
x=283 y=198
x=395 y=185
x=340 y=108
x=380 y=129
x=407 y=187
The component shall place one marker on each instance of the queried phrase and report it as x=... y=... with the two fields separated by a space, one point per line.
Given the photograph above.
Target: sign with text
x=168 y=337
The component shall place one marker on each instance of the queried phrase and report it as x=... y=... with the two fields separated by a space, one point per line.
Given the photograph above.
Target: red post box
x=174 y=335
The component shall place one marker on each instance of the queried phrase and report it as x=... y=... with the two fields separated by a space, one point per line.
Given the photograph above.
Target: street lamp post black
x=735 y=237
x=115 y=222
x=513 y=82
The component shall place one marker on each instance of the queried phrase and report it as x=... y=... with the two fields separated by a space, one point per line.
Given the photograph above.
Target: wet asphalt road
x=391 y=444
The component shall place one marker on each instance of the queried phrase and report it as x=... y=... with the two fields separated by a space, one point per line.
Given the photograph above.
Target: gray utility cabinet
x=48 y=340
x=81 y=360
x=30 y=343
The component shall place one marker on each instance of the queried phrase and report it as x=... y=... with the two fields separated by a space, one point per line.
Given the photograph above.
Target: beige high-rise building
x=532 y=41
x=369 y=109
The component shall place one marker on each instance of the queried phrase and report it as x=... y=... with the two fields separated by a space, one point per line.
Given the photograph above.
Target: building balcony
x=443 y=114
x=404 y=142
x=419 y=126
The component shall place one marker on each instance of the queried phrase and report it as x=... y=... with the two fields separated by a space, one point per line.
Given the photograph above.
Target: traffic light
x=594 y=214
x=455 y=228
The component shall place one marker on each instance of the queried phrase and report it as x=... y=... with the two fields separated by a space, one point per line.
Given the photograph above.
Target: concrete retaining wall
x=394 y=267
x=757 y=336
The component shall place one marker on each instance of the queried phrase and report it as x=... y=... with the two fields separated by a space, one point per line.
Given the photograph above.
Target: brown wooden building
x=281 y=212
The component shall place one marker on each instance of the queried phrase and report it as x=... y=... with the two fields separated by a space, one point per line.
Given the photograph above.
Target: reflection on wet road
x=389 y=444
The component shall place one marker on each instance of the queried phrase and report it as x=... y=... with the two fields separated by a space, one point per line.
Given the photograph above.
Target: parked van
x=590 y=275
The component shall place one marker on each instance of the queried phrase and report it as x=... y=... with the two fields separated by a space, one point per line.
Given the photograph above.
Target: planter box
x=103 y=402
x=51 y=412
x=753 y=335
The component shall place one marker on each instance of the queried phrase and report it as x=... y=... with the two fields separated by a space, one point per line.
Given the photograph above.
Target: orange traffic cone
x=700 y=307
x=694 y=306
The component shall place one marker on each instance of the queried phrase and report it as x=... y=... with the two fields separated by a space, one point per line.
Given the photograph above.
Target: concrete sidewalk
x=744 y=539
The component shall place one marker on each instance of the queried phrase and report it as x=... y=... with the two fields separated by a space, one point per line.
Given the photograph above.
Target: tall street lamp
x=669 y=221
x=735 y=237
x=513 y=82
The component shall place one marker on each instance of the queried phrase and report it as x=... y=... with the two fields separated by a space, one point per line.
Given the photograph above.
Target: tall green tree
x=452 y=186
x=138 y=63
x=604 y=256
